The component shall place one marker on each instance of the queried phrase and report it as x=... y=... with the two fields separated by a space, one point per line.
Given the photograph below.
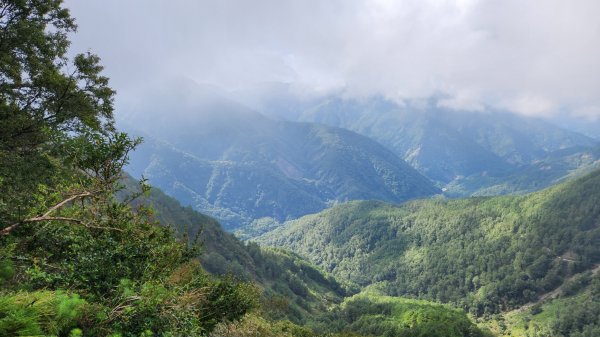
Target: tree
x=44 y=98
x=75 y=257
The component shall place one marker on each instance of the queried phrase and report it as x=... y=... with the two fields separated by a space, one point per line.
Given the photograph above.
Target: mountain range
x=239 y=166
x=448 y=145
x=253 y=172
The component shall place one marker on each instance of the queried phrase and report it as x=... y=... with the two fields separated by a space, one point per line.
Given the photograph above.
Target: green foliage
x=481 y=254
x=252 y=325
x=7 y=270
x=373 y=315
x=136 y=274
x=277 y=272
x=579 y=316
x=189 y=302
x=575 y=313
x=76 y=333
x=40 y=102
x=40 y=313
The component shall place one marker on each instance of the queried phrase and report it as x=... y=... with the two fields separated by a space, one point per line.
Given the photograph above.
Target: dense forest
x=485 y=254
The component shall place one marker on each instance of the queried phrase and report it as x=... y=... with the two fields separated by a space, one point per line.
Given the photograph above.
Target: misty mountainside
x=237 y=165
x=484 y=254
x=292 y=287
x=557 y=167
x=449 y=146
x=586 y=126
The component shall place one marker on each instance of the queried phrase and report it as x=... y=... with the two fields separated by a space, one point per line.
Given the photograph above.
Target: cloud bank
x=530 y=57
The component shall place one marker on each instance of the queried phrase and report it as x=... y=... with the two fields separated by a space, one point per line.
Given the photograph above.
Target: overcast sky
x=529 y=57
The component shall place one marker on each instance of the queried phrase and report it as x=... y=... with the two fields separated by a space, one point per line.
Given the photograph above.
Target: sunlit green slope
x=485 y=254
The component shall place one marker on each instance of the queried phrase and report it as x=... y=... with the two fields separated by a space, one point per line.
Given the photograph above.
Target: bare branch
x=64 y=202
x=52 y=218
x=46 y=216
x=10 y=228
x=105 y=228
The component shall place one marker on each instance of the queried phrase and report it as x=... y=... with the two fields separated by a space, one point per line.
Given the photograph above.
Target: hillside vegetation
x=485 y=254
x=292 y=288
x=573 y=311
x=371 y=314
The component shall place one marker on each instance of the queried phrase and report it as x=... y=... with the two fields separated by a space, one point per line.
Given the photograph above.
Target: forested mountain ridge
x=485 y=254
x=256 y=167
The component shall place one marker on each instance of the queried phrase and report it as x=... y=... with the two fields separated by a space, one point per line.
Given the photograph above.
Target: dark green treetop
x=44 y=97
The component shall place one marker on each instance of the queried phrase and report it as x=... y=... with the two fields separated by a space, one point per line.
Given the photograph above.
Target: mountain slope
x=484 y=254
x=293 y=288
x=371 y=314
x=238 y=166
x=572 y=311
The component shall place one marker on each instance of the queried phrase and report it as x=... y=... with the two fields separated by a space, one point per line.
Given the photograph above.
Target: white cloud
x=530 y=105
x=532 y=57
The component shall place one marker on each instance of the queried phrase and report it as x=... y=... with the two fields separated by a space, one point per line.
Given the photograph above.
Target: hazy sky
x=529 y=57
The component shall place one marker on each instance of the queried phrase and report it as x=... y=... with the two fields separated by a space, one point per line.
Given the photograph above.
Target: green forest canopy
x=482 y=254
